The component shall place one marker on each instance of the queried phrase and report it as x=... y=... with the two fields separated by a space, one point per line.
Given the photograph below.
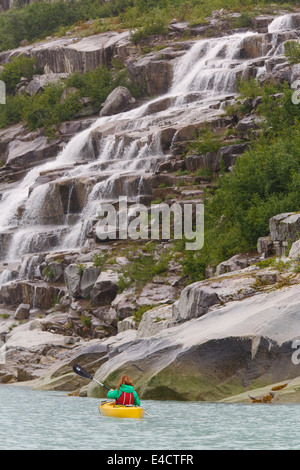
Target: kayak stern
x=121 y=411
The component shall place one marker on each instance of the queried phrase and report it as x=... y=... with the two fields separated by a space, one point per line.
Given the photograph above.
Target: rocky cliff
x=124 y=305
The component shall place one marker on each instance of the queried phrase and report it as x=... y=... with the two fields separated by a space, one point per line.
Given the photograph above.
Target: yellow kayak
x=120 y=411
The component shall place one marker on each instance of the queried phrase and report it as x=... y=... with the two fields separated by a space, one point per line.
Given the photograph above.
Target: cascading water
x=128 y=143
x=282 y=23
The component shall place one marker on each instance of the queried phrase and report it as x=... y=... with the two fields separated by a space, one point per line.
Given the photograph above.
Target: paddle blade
x=82 y=372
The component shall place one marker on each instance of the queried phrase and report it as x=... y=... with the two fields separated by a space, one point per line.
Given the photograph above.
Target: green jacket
x=127 y=389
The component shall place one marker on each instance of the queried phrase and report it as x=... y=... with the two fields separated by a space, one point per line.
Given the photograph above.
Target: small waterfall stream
x=126 y=144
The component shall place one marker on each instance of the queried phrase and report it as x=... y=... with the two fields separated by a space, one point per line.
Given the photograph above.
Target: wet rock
x=22 y=312
x=253 y=47
x=262 y=22
x=210 y=161
x=36 y=294
x=54 y=272
x=118 y=101
x=73 y=127
x=157 y=75
x=24 y=152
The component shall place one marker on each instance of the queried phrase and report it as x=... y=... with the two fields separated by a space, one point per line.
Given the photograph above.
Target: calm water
x=51 y=420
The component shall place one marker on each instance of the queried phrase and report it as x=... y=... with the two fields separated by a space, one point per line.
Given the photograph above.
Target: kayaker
x=125 y=393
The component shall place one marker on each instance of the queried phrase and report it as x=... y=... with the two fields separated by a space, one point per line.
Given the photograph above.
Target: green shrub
x=265 y=182
x=86 y=321
x=51 y=107
x=139 y=312
x=207 y=140
x=18 y=67
x=49 y=272
x=193 y=266
x=292 y=52
x=4 y=316
x=249 y=88
x=99 y=259
x=155 y=23
x=12 y=111
x=143 y=269
x=80 y=269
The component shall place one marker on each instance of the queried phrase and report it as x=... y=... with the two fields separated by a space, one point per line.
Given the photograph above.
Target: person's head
x=124 y=380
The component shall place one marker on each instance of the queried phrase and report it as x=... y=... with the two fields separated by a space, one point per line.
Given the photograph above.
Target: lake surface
x=38 y=420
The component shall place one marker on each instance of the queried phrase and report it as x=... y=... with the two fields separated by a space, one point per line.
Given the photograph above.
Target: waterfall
x=126 y=144
x=210 y=66
x=282 y=23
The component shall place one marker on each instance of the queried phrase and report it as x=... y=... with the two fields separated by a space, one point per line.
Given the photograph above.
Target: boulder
x=118 y=101
x=229 y=153
x=285 y=227
x=267 y=277
x=155 y=320
x=81 y=278
x=105 y=289
x=22 y=312
x=128 y=323
x=88 y=280
x=295 y=250
x=22 y=337
x=247 y=124
x=73 y=279
x=195 y=301
x=199 y=298
x=54 y=272
x=124 y=304
x=235 y=263
x=39 y=82
x=265 y=245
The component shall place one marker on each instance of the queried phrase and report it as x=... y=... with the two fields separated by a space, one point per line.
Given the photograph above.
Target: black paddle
x=85 y=375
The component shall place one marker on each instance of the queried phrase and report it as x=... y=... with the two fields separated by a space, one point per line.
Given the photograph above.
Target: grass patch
x=143 y=269
x=139 y=312
x=99 y=259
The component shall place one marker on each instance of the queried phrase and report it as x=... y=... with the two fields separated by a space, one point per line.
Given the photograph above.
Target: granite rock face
x=118 y=101
x=68 y=55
